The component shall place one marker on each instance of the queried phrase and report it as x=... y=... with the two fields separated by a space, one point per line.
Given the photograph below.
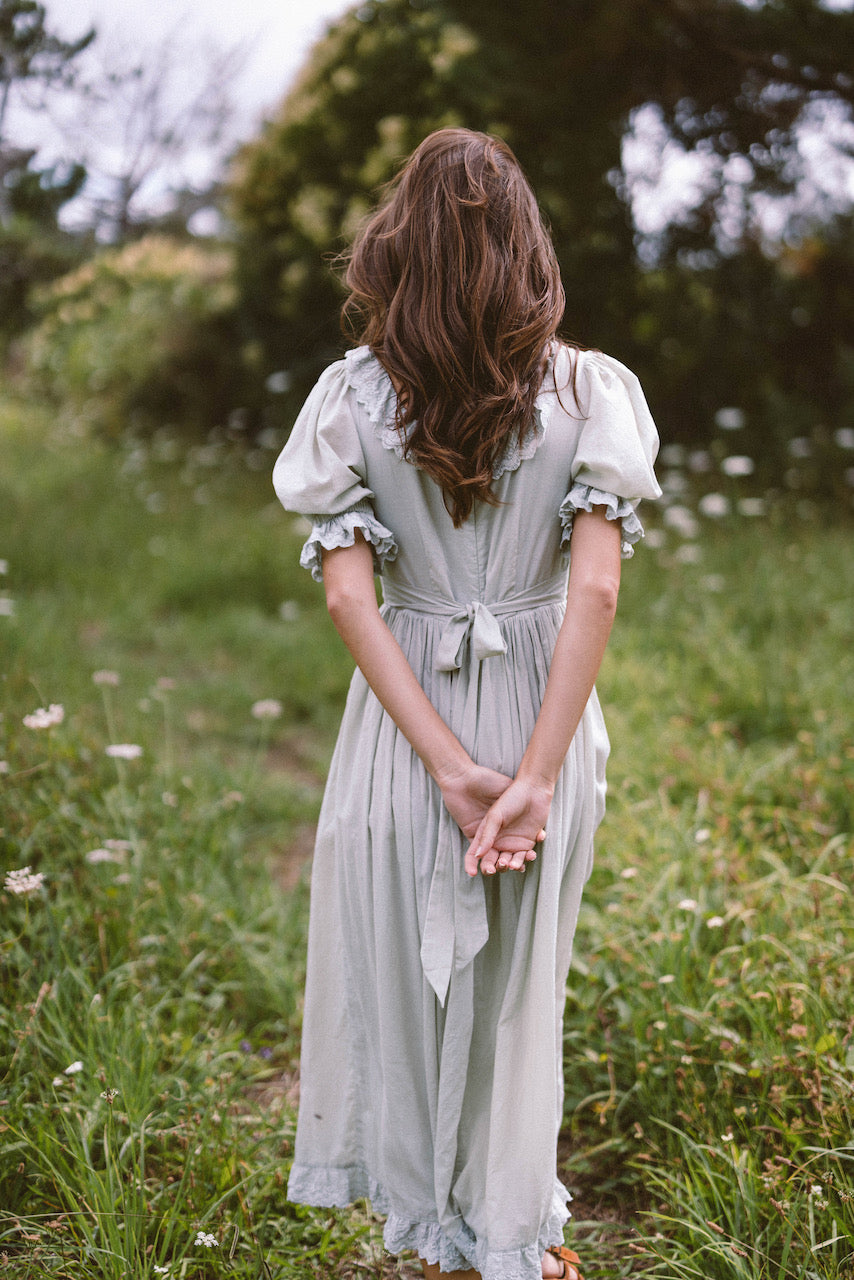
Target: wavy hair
x=455 y=286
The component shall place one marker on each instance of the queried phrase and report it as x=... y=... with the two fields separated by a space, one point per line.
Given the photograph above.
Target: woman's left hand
x=469 y=796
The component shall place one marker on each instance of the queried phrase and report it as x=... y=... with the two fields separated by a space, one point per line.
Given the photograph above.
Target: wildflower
x=672 y=455
x=4 y=564
x=816 y=1189
x=279 y=382
x=738 y=465
x=23 y=882
x=666 y=979
x=727 y=1137
x=699 y=461
x=4 y=767
x=160 y=1271
x=106 y=677
x=713 y=505
x=7 y=607
x=124 y=751
x=687 y=904
x=628 y=873
x=289 y=611
x=94 y=856
x=844 y=437
x=109 y=1095
x=714 y=922
x=655 y=539
x=729 y=419
x=702 y=835
x=681 y=520
x=208 y=1240
x=800 y=447
x=267 y=709
x=45 y=717
x=73 y=1068
x=688 y=553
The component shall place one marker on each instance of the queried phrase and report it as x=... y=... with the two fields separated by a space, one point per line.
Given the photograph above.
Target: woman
x=468 y=456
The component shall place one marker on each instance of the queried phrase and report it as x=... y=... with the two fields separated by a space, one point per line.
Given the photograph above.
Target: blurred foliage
x=32 y=246
x=719 y=319
x=139 y=336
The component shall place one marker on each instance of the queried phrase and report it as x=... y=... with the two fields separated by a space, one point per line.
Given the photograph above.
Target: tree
x=730 y=81
x=33 y=62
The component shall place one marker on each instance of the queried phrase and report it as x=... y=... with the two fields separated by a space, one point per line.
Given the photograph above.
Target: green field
x=710 y=1019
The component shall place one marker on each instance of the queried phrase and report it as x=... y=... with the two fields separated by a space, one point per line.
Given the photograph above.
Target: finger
x=482 y=842
x=489 y=863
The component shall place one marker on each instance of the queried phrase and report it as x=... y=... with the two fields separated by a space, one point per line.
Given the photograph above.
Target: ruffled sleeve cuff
x=339 y=530
x=583 y=497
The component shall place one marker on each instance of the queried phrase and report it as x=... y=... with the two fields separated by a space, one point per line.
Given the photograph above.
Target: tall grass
x=150 y=986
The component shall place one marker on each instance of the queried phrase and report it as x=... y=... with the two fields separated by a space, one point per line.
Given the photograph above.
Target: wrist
x=537 y=779
x=451 y=766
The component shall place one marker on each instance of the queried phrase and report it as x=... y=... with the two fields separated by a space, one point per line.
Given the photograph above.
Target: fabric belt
x=473 y=626
x=455 y=925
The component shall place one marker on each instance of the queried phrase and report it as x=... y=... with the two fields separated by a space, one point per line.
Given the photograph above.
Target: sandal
x=566 y=1256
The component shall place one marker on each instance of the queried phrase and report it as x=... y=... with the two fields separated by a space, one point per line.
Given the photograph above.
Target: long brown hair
x=455 y=286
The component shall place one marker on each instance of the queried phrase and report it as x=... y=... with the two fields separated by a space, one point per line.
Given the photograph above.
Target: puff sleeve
x=616 y=448
x=320 y=474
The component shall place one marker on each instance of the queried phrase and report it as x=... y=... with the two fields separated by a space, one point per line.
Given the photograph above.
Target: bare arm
x=467 y=789
x=594 y=583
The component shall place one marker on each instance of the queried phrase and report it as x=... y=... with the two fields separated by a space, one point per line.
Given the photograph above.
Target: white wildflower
x=109 y=1095
x=160 y=1271
x=628 y=873
x=666 y=979
x=730 y=419
x=654 y=539
x=714 y=922
x=106 y=677
x=844 y=437
x=4 y=564
x=205 y=1238
x=7 y=607
x=73 y=1068
x=726 y=1137
x=279 y=382
x=267 y=709
x=800 y=447
x=123 y=751
x=699 y=461
x=45 y=717
x=713 y=505
x=702 y=835
x=672 y=455
x=23 y=882
x=738 y=464
x=688 y=553
x=682 y=521
x=4 y=767
x=94 y=856
x=687 y=904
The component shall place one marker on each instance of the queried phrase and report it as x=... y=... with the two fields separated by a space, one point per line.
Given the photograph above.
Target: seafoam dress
x=431 y=1074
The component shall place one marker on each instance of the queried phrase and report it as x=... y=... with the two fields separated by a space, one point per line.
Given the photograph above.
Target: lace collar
x=377 y=396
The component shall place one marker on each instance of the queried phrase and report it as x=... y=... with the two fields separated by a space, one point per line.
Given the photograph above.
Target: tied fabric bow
x=473 y=624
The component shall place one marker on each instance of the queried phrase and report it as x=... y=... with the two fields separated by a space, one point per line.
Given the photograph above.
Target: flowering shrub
x=139 y=335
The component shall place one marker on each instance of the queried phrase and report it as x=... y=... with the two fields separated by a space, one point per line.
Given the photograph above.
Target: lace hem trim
x=376 y=395
x=583 y=497
x=453 y=1251
x=340 y=531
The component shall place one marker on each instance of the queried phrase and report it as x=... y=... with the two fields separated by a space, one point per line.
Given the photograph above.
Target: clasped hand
x=503 y=817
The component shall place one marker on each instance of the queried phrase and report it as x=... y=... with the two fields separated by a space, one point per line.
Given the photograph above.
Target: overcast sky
x=279 y=32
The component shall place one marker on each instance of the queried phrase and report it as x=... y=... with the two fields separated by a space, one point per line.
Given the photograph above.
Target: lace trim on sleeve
x=583 y=497
x=339 y=530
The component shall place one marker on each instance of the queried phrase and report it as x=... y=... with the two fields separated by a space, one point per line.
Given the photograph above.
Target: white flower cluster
x=205 y=1238
x=267 y=709
x=123 y=751
x=45 y=717
x=24 y=881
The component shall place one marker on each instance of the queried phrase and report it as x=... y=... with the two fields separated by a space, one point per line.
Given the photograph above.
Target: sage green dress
x=431 y=1076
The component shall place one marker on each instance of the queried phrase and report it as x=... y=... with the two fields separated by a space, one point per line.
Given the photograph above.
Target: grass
x=710 y=1021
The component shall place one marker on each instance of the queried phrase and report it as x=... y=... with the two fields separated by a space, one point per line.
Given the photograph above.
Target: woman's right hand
x=505 y=838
